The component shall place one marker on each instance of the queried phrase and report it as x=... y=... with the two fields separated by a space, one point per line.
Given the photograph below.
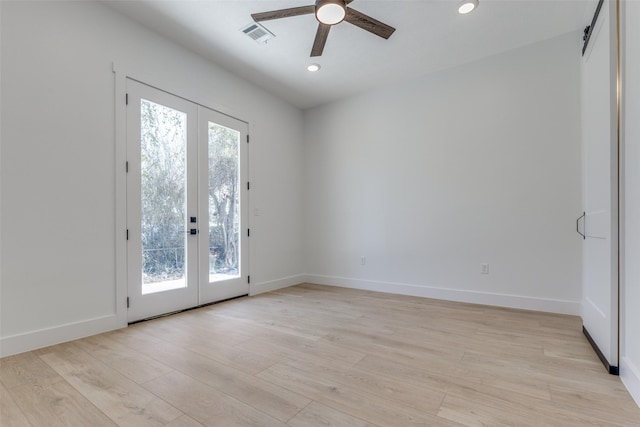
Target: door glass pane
x=163 y=177
x=224 y=203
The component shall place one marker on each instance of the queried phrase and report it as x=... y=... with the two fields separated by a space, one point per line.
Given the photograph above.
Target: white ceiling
x=430 y=35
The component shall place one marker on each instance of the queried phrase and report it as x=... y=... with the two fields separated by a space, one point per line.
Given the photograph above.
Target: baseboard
x=273 y=285
x=630 y=376
x=474 y=297
x=33 y=340
x=55 y=335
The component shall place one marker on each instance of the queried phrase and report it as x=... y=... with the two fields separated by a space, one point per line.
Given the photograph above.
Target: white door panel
x=600 y=287
x=161 y=183
x=224 y=247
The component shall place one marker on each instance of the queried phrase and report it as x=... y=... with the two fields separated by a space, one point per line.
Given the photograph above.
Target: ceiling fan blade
x=365 y=22
x=283 y=13
x=321 y=39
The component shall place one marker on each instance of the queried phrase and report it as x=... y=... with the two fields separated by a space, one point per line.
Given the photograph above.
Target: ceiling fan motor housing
x=330 y=12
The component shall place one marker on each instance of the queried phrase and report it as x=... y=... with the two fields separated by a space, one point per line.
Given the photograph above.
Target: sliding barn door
x=600 y=180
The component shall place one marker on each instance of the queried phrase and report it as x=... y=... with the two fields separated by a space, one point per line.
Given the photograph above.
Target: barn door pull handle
x=578 y=225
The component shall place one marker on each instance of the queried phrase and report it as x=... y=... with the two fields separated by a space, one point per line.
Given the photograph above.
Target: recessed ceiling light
x=313 y=67
x=467 y=6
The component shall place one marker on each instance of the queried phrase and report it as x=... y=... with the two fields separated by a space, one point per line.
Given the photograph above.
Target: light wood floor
x=322 y=356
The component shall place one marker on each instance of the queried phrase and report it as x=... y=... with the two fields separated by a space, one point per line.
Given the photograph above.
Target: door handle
x=578 y=225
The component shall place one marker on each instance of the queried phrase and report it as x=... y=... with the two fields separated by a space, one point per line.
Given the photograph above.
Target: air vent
x=257 y=32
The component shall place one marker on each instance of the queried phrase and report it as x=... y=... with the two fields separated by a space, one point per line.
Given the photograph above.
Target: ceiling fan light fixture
x=467 y=6
x=330 y=12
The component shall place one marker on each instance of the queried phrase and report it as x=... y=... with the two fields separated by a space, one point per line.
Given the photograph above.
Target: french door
x=186 y=205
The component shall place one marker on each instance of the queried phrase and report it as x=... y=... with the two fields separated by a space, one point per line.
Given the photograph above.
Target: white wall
x=630 y=274
x=58 y=278
x=430 y=178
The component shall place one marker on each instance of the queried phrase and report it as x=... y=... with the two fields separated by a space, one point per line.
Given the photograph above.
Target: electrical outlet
x=363 y=260
x=484 y=268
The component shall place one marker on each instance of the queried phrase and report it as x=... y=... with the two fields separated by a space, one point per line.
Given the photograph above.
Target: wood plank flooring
x=314 y=355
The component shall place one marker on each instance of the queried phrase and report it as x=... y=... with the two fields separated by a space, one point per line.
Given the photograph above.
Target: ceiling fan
x=329 y=13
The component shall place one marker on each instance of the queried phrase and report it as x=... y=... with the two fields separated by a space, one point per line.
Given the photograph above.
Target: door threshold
x=185 y=309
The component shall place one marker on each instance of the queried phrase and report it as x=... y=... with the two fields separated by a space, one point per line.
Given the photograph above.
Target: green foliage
x=163 y=161
x=163 y=175
x=224 y=200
